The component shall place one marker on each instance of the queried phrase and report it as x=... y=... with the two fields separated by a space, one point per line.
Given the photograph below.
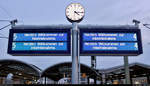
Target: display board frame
x=40 y=52
x=113 y=52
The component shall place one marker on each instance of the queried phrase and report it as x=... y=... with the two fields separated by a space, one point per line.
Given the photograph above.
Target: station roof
x=57 y=71
x=18 y=69
x=118 y=72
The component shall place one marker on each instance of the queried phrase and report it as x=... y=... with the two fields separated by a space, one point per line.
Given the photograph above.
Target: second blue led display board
x=110 y=42
x=39 y=42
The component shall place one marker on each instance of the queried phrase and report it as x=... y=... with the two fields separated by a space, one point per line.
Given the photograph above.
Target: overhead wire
x=2 y=29
x=4 y=20
x=4 y=37
x=146 y=25
x=5 y=27
x=8 y=14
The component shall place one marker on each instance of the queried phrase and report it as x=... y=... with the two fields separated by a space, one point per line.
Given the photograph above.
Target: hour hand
x=76 y=12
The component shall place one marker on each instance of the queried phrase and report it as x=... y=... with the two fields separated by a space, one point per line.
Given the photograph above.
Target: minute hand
x=79 y=12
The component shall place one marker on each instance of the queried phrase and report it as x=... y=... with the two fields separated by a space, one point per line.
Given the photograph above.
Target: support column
x=103 y=78
x=127 y=72
x=75 y=65
x=93 y=62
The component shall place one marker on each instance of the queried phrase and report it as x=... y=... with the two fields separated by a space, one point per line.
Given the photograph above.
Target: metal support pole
x=93 y=62
x=74 y=54
x=127 y=72
x=103 y=78
x=126 y=64
x=79 y=65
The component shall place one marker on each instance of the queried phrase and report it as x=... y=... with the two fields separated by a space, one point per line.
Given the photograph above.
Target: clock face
x=75 y=12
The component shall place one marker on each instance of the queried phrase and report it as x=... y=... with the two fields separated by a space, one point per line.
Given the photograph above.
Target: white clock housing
x=75 y=12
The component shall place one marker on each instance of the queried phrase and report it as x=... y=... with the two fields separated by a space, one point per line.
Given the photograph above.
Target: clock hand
x=76 y=12
x=79 y=12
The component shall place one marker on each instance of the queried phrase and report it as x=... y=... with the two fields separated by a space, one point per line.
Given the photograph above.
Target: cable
x=4 y=27
x=4 y=37
x=136 y=21
x=8 y=14
x=146 y=25
x=4 y=20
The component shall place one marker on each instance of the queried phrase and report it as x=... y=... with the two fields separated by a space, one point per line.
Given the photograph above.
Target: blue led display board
x=106 y=46
x=109 y=37
x=110 y=42
x=52 y=46
x=40 y=37
x=39 y=42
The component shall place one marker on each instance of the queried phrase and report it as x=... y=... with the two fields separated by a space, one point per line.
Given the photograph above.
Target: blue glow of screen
x=107 y=46
x=39 y=46
x=109 y=37
x=40 y=37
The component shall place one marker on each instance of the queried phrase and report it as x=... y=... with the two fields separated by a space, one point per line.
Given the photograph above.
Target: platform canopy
x=19 y=69
x=58 y=71
x=136 y=70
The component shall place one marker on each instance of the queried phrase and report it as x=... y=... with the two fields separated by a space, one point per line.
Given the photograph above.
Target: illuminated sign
x=39 y=42
x=110 y=42
x=40 y=37
x=109 y=37
x=39 y=46
x=106 y=46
